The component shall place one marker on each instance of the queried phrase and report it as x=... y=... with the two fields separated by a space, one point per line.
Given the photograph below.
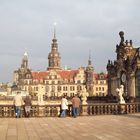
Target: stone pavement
x=104 y=127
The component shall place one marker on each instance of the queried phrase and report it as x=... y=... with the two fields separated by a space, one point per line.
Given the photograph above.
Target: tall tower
x=24 y=63
x=89 y=77
x=20 y=74
x=54 y=56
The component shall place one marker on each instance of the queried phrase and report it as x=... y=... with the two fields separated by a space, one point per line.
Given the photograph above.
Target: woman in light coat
x=64 y=106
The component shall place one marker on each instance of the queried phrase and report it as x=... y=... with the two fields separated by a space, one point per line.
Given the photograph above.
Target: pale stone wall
x=100 y=87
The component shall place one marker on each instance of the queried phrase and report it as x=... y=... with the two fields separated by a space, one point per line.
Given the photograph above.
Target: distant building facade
x=100 y=87
x=55 y=81
x=125 y=69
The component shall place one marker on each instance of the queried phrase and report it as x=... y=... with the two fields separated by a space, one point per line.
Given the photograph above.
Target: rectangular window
x=102 y=88
x=96 y=88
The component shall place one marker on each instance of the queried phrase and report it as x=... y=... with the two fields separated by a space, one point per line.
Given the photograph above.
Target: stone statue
x=84 y=94
x=40 y=99
x=41 y=92
x=120 y=92
x=121 y=33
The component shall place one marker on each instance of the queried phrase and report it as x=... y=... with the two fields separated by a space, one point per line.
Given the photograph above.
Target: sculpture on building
x=84 y=94
x=40 y=95
x=40 y=99
x=120 y=92
x=121 y=33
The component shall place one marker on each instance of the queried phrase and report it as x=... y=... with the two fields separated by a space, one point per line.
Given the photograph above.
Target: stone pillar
x=122 y=108
x=41 y=111
x=131 y=87
x=84 y=109
x=41 y=92
x=114 y=86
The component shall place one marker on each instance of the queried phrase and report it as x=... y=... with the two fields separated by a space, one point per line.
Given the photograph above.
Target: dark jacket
x=27 y=101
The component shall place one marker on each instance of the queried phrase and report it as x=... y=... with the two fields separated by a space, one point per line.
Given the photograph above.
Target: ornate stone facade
x=125 y=70
x=56 y=81
x=54 y=56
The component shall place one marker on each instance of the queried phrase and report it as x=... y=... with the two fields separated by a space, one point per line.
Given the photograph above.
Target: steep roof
x=39 y=75
x=65 y=74
x=97 y=75
x=68 y=74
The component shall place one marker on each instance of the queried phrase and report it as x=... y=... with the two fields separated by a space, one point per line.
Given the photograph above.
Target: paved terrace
x=104 y=127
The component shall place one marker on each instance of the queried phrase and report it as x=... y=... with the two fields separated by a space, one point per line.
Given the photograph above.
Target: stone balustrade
x=90 y=109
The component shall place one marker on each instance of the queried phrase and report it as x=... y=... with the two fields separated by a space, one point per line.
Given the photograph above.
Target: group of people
x=26 y=103
x=75 y=106
x=19 y=102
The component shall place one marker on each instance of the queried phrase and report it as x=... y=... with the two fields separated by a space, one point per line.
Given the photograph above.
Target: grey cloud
x=81 y=25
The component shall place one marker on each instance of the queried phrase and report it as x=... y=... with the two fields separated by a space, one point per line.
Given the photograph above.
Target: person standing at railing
x=18 y=102
x=27 y=105
x=75 y=105
x=64 y=106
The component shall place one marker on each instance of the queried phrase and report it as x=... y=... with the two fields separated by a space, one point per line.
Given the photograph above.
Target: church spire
x=89 y=75
x=54 y=40
x=54 y=56
x=54 y=31
x=89 y=60
x=25 y=61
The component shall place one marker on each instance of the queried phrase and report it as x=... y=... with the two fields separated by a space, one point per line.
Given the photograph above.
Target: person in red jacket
x=75 y=105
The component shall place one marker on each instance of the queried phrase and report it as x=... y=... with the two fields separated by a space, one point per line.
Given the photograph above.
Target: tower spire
x=25 y=61
x=54 y=56
x=89 y=75
x=54 y=34
x=89 y=60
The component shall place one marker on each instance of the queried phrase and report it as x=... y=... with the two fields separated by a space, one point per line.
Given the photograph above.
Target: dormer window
x=28 y=76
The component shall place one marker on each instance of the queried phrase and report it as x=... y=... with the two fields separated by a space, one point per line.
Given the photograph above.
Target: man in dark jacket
x=27 y=105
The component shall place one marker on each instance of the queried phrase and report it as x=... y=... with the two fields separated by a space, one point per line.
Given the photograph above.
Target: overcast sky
x=82 y=25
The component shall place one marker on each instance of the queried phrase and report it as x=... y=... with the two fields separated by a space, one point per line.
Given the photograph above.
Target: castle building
x=55 y=81
x=125 y=70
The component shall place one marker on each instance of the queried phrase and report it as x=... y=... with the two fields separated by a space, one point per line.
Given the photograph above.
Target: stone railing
x=90 y=109
x=108 y=109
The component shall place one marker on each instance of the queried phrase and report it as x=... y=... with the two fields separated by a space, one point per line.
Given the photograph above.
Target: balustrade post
x=49 y=111
x=108 y=109
x=58 y=110
x=137 y=108
x=101 y=109
x=94 y=110
x=41 y=111
x=84 y=110
x=122 y=108
x=127 y=108
x=90 y=109
x=105 y=109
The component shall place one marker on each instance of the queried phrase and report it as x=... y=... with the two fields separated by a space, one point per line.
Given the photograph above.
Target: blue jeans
x=75 y=111
x=18 y=111
x=63 y=113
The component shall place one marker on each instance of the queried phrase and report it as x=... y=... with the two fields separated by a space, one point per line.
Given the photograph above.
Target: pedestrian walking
x=64 y=106
x=27 y=105
x=18 y=102
x=75 y=105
